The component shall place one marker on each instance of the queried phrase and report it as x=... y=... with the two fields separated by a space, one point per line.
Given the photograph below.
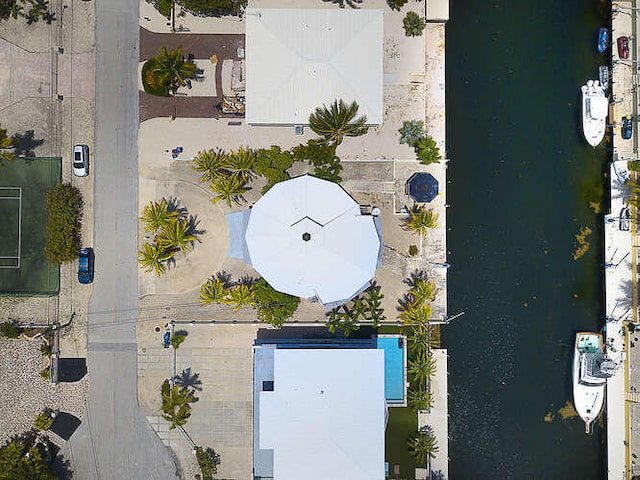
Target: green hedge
x=149 y=82
x=64 y=209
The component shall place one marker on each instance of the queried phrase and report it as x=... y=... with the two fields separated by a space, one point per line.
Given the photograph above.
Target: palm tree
x=176 y=235
x=416 y=314
x=337 y=121
x=242 y=163
x=213 y=291
x=423 y=446
x=228 y=188
x=419 y=399
x=414 y=24
x=175 y=404
x=420 y=219
x=240 y=296
x=423 y=290
x=421 y=369
x=171 y=69
x=7 y=145
x=419 y=340
x=210 y=163
x=158 y=214
x=153 y=257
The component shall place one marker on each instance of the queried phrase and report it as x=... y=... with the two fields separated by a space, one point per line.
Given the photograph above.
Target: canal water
x=524 y=183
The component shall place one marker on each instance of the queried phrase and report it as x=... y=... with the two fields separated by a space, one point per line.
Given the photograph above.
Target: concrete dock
x=621 y=257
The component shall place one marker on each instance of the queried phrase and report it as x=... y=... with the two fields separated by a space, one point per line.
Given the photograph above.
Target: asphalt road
x=115 y=440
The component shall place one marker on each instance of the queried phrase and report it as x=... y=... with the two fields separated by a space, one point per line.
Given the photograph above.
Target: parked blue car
x=166 y=340
x=85 y=265
x=627 y=127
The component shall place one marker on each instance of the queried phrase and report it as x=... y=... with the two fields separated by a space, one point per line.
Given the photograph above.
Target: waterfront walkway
x=620 y=257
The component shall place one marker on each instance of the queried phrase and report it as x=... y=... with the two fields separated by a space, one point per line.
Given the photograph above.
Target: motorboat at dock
x=595 y=108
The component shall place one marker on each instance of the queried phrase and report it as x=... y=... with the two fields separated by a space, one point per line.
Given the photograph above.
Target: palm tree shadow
x=225 y=278
x=624 y=302
x=193 y=223
x=25 y=144
x=174 y=206
x=186 y=379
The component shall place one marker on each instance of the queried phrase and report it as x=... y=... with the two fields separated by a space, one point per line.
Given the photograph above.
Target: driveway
x=200 y=46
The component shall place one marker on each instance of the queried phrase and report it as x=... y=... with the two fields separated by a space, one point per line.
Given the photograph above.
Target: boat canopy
x=595 y=368
x=598 y=107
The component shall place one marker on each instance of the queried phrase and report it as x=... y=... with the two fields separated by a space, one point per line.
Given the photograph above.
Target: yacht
x=591 y=368
x=595 y=106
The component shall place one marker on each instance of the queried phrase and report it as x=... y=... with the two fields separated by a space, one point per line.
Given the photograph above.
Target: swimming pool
x=394 y=381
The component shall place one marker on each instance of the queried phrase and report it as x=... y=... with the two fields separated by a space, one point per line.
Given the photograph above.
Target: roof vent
x=306 y=237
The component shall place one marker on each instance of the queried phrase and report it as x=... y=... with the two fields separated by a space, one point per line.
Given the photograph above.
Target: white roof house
x=322 y=415
x=308 y=238
x=297 y=60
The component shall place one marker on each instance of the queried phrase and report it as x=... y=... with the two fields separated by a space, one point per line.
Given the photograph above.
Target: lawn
x=402 y=424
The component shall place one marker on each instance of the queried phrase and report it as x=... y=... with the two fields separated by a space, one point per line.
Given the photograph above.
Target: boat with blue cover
x=603 y=39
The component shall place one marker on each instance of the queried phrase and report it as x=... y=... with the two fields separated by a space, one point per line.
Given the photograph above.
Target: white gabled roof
x=325 y=418
x=297 y=60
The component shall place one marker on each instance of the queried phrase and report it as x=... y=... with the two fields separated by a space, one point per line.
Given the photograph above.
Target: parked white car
x=81 y=160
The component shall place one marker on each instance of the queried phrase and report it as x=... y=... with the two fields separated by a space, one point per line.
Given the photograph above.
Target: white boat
x=595 y=106
x=591 y=368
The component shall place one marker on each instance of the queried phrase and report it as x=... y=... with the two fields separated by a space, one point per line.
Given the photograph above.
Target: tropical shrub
x=427 y=151
x=176 y=401
x=420 y=220
x=414 y=24
x=31 y=10
x=423 y=446
x=45 y=373
x=7 y=147
x=23 y=457
x=419 y=399
x=273 y=164
x=177 y=338
x=64 y=210
x=366 y=307
x=208 y=460
x=240 y=295
x=164 y=73
x=213 y=8
x=411 y=131
x=171 y=232
x=213 y=290
x=163 y=7
x=150 y=83
x=396 y=4
x=322 y=156
x=43 y=421
x=10 y=329
x=413 y=250
x=273 y=307
x=634 y=165
x=337 y=121
x=46 y=349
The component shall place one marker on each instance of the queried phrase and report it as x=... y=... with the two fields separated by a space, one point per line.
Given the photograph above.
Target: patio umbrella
x=422 y=187
x=307 y=237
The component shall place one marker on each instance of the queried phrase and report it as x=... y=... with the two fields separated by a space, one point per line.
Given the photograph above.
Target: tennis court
x=24 y=269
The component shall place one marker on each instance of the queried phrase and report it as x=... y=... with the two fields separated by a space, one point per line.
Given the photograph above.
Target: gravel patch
x=24 y=393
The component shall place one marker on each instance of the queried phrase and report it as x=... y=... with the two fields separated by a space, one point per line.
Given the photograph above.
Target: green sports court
x=24 y=269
